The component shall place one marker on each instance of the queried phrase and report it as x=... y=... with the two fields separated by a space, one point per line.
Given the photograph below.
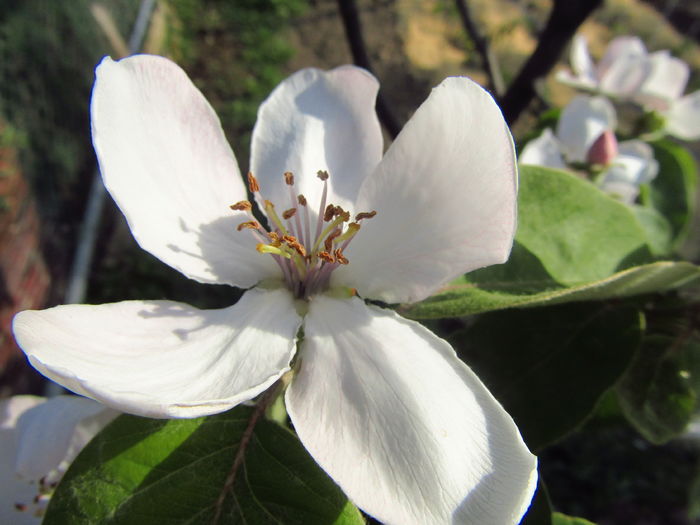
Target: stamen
x=274 y=238
x=353 y=228
x=328 y=243
x=339 y=257
x=272 y=214
x=307 y=230
x=293 y=243
x=250 y=225
x=323 y=175
x=289 y=178
x=242 y=206
x=326 y=257
x=288 y=214
x=329 y=213
x=365 y=215
x=267 y=248
x=253 y=183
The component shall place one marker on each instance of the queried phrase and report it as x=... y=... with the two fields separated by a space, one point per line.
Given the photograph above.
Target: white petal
x=38 y=440
x=583 y=83
x=445 y=197
x=683 y=119
x=164 y=359
x=582 y=121
x=313 y=121
x=623 y=67
x=16 y=493
x=665 y=82
x=401 y=424
x=634 y=165
x=581 y=61
x=545 y=150
x=165 y=160
x=47 y=433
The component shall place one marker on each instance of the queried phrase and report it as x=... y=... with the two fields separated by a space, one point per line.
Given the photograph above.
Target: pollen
x=242 y=206
x=253 y=183
x=250 y=225
x=308 y=243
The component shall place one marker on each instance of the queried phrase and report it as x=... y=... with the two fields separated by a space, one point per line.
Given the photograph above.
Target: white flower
x=662 y=91
x=585 y=135
x=628 y=72
x=39 y=439
x=384 y=406
x=619 y=73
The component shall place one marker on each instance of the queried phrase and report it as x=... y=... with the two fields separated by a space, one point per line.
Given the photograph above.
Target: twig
x=260 y=408
x=566 y=17
x=488 y=58
x=353 y=33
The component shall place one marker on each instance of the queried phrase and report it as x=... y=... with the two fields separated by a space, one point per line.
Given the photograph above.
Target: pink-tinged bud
x=603 y=150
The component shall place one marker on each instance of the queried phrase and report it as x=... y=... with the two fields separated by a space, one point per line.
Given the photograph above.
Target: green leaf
x=658 y=229
x=550 y=366
x=578 y=233
x=658 y=393
x=562 y=519
x=144 y=471
x=465 y=297
x=673 y=190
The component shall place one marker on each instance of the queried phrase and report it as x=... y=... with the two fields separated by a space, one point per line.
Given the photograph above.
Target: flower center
x=306 y=251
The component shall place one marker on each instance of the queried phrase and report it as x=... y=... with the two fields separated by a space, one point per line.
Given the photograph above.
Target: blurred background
x=236 y=52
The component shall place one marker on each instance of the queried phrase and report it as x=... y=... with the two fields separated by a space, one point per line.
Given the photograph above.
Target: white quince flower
x=384 y=406
x=628 y=71
x=585 y=135
x=39 y=438
x=662 y=91
x=619 y=73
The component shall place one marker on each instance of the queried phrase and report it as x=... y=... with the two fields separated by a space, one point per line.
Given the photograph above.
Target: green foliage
x=550 y=366
x=142 y=471
x=576 y=232
x=658 y=393
x=48 y=102
x=673 y=190
x=464 y=297
x=573 y=243
x=236 y=53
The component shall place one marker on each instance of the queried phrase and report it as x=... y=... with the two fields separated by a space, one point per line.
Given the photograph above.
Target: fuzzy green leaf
x=144 y=471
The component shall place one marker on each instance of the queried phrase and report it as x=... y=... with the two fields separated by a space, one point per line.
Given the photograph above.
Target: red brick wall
x=24 y=279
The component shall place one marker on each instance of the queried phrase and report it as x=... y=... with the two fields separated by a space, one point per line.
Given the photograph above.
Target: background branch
x=353 y=33
x=565 y=19
x=481 y=44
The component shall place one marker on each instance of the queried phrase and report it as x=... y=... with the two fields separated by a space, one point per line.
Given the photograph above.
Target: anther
x=20 y=507
x=339 y=257
x=328 y=243
x=242 y=206
x=365 y=215
x=289 y=178
x=294 y=244
x=322 y=174
x=329 y=213
x=253 y=183
x=340 y=212
x=250 y=225
x=301 y=199
x=288 y=214
x=326 y=257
